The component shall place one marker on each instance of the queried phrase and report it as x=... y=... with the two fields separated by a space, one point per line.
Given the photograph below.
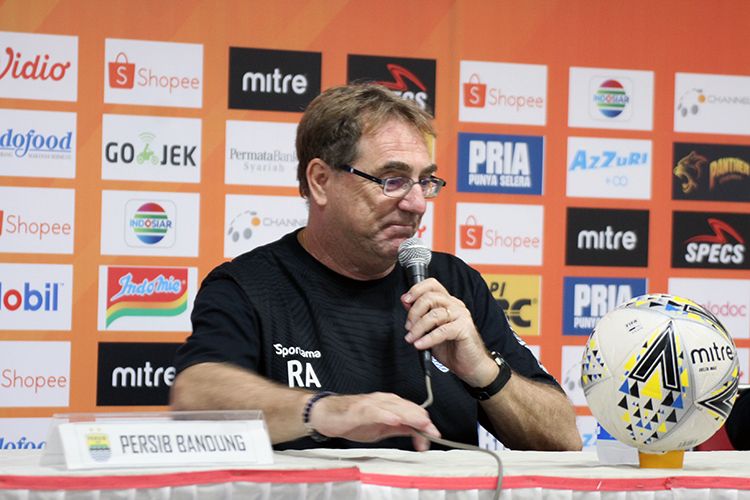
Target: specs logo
x=145 y=292
x=710 y=240
x=150 y=223
x=716 y=248
x=36 y=68
x=400 y=87
x=611 y=99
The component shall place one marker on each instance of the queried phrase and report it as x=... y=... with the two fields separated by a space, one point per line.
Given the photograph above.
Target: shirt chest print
x=299 y=368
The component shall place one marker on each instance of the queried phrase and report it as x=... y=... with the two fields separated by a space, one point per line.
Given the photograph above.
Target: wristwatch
x=485 y=393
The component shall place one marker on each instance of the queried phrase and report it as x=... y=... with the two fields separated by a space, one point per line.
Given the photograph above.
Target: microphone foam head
x=413 y=252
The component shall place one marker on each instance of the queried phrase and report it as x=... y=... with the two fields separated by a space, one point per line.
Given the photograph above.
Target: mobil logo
x=410 y=78
x=500 y=163
x=586 y=300
x=38 y=66
x=35 y=296
x=150 y=222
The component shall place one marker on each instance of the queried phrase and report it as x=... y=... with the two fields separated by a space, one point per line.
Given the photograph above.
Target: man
x=320 y=329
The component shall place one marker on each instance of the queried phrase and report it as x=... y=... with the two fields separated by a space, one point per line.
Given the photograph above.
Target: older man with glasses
x=321 y=329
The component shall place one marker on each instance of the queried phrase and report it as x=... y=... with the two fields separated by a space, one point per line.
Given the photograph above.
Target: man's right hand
x=371 y=417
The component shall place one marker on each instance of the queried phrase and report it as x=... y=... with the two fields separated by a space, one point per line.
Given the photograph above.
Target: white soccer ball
x=660 y=373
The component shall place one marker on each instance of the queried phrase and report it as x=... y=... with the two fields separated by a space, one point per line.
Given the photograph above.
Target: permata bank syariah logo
x=252 y=221
x=610 y=98
x=153 y=73
x=511 y=93
x=27 y=226
x=37 y=143
x=490 y=163
x=587 y=299
x=150 y=223
x=412 y=79
x=609 y=168
x=36 y=296
x=712 y=104
x=727 y=299
x=34 y=374
x=138 y=298
x=493 y=233
x=519 y=297
x=260 y=153
x=710 y=240
x=151 y=148
x=37 y=66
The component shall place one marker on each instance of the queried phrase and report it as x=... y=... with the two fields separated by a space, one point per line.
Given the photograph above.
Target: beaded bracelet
x=315 y=435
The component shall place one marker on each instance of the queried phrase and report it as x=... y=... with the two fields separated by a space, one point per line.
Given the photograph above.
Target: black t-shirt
x=280 y=313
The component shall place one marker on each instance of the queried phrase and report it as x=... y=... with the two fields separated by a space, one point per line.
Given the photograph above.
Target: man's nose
x=414 y=200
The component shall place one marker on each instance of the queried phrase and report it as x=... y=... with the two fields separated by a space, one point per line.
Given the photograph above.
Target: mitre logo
x=274 y=80
x=710 y=240
x=607 y=237
x=412 y=79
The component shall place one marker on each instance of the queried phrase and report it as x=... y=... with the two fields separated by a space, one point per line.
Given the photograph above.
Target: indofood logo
x=35 y=145
x=151 y=223
x=611 y=99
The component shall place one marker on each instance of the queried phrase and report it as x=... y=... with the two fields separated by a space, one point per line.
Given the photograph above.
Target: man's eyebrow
x=399 y=167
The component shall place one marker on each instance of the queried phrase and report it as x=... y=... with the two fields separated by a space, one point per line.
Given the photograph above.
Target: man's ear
x=318 y=180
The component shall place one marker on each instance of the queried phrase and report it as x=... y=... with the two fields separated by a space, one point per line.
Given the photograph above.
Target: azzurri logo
x=586 y=300
x=500 y=163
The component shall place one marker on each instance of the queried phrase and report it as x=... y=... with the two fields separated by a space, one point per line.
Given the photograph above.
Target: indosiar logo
x=586 y=300
x=611 y=98
x=500 y=163
x=150 y=223
x=710 y=240
x=518 y=296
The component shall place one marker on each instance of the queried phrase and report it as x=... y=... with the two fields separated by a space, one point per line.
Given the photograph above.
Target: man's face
x=374 y=224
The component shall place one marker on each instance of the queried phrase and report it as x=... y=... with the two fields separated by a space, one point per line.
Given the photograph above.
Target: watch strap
x=503 y=375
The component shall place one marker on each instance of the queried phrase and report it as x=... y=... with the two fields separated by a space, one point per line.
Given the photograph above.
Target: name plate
x=163 y=443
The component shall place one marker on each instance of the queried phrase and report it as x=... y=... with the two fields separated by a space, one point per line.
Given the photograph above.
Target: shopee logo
x=38 y=229
x=121 y=72
x=471 y=233
x=475 y=92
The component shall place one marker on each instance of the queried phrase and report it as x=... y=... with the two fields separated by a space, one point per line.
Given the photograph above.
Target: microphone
x=414 y=256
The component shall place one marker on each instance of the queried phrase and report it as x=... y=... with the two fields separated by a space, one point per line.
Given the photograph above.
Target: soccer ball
x=660 y=373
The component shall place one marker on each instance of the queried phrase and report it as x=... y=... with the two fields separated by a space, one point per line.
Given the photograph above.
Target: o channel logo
x=149 y=223
x=586 y=300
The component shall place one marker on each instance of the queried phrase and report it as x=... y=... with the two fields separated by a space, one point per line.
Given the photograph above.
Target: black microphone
x=414 y=256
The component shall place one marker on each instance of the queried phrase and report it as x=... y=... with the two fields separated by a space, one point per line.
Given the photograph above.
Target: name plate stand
x=166 y=439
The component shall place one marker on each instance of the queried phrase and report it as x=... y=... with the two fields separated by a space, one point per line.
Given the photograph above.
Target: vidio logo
x=513 y=310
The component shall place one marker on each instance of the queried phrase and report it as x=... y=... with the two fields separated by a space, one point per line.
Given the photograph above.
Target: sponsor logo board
x=710 y=240
x=36 y=66
x=153 y=73
x=412 y=79
x=493 y=92
x=36 y=296
x=587 y=299
x=24 y=433
x=519 y=296
x=609 y=168
x=150 y=223
x=252 y=221
x=607 y=237
x=490 y=163
x=493 y=233
x=34 y=374
x=611 y=98
x=273 y=80
x=37 y=143
x=712 y=104
x=716 y=172
x=27 y=226
x=151 y=148
x=727 y=299
x=139 y=298
x=135 y=373
x=261 y=153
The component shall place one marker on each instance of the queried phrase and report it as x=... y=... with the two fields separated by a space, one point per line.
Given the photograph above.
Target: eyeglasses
x=398 y=187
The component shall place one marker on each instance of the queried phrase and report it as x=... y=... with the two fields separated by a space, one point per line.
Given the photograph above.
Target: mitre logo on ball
x=660 y=373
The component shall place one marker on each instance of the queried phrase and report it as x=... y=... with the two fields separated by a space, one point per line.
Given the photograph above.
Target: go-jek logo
x=30 y=298
x=151 y=223
x=145 y=292
x=611 y=98
x=586 y=300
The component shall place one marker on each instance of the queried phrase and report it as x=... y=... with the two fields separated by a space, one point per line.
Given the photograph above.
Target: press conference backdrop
x=593 y=150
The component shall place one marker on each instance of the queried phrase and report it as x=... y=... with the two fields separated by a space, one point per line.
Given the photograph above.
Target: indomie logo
x=145 y=291
x=38 y=68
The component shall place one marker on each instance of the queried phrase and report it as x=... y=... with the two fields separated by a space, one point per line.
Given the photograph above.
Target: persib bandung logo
x=610 y=98
x=98 y=445
x=150 y=223
x=145 y=292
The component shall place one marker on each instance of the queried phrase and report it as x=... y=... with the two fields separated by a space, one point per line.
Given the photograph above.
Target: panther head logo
x=688 y=170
